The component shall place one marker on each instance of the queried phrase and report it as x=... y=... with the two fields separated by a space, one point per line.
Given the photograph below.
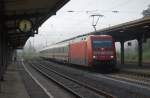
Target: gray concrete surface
x=12 y=86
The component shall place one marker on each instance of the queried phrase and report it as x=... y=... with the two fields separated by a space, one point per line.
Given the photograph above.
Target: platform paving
x=13 y=86
x=134 y=68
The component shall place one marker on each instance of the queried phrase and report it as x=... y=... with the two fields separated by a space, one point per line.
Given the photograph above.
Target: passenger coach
x=89 y=51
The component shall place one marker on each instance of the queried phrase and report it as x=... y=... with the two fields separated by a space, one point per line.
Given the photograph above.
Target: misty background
x=74 y=19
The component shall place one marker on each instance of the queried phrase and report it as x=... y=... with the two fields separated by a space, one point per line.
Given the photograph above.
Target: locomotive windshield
x=102 y=43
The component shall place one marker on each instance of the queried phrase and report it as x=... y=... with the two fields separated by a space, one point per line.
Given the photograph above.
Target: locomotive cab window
x=104 y=43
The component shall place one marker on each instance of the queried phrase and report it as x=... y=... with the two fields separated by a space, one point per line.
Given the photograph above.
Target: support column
x=1 y=57
x=5 y=50
x=122 y=52
x=2 y=22
x=10 y=53
x=140 y=52
x=3 y=54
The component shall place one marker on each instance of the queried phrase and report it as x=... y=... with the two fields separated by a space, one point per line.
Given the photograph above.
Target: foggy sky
x=68 y=24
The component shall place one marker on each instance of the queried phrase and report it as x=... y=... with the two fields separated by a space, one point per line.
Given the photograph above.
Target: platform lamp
x=94 y=22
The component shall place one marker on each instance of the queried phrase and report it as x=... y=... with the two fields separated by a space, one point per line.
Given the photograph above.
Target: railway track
x=108 y=83
x=134 y=69
x=136 y=79
x=79 y=89
x=136 y=73
x=138 y=76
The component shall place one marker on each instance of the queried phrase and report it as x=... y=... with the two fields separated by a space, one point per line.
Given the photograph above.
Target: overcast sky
x=69 y=24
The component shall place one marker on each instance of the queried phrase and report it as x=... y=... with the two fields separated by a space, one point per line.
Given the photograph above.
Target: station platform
x=19 y=84
x=13 y=86
x=143 y=70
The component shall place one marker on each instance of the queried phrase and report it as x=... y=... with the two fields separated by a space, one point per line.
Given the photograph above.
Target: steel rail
x=100 y=92
x=57 y=82
x=132 y=78
x=136 y=93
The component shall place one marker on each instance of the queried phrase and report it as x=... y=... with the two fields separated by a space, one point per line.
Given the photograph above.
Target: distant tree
x=146 y=13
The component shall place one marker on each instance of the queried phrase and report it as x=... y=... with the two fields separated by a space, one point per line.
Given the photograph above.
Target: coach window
x=57 y=49
x=60 y=50
x=54 y=50
x=66 y=49
x=63 y=49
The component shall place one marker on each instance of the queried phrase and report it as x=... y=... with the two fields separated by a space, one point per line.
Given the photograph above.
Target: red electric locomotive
x=88 y=51
x=93 y=50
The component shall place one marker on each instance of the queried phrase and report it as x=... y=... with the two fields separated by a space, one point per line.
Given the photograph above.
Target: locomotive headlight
x=94 y=57
x=111 y=57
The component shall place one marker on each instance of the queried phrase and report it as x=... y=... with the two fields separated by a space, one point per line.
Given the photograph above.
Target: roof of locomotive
x=102 y=36
x=80 y=36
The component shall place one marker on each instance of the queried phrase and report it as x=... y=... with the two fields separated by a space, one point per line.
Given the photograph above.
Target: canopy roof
x=37 y=11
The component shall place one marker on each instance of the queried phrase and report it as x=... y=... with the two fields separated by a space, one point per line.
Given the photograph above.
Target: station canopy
x=24 y=17
x=131 y=30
